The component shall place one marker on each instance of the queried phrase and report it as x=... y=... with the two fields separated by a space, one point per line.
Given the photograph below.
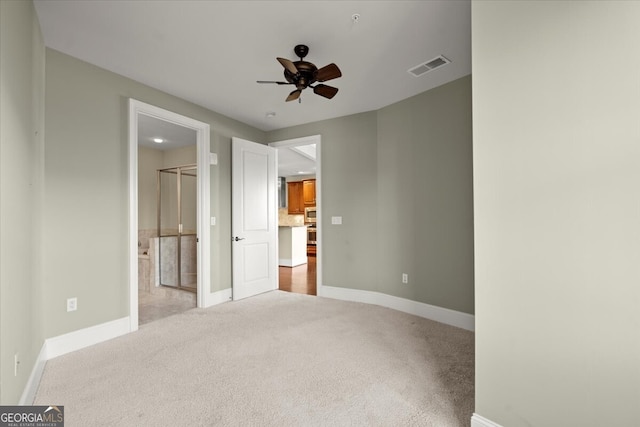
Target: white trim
x=133 y=215
x=204 y=215
x=63 y=344
x=479 y=421
x=76 y=340
x=203 y=131
x=288 y=262
x=432 y=312
x=217 y=297
x=30 y=389
x=306 y=140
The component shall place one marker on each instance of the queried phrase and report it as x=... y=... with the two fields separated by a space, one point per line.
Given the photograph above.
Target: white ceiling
x=293 y=161
x=173 y=136
x=212 y=52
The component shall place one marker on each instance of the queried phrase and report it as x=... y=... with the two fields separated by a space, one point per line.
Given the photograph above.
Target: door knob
x=236 y=239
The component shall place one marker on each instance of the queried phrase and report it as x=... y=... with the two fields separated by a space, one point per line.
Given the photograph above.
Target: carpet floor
x=277 y=359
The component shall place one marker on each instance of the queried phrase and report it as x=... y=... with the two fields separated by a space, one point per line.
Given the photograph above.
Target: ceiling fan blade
x=294 y=95
x=288 y=65
x=328 y=72
x=269 y=81
x=326 y=91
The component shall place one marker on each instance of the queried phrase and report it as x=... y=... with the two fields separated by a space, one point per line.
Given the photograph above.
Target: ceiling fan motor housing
x=306 y=74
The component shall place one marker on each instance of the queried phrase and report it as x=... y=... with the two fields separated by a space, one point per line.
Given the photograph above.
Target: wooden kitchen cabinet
x=309 y=192
x=295 y=202
x=300 y=195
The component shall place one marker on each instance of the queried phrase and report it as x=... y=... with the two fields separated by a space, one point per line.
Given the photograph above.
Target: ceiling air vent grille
x=430 y=65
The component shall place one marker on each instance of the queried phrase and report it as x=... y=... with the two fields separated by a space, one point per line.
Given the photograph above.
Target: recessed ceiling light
x=158 y=140
x=270 y=114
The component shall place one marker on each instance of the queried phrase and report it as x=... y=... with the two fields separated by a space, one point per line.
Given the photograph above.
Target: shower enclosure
x=177 y=227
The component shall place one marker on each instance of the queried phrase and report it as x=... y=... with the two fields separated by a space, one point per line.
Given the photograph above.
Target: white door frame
x=203 y=211
x=306 y=140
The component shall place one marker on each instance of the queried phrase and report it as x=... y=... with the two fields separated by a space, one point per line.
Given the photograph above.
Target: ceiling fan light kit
x=303 y=74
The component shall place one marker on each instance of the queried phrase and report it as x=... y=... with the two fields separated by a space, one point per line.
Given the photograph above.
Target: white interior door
x=254 y=221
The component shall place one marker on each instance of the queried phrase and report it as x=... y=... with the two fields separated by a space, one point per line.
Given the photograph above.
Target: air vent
x=430 y=65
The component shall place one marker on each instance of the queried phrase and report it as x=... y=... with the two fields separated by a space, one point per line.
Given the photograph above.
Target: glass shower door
x=177 y=207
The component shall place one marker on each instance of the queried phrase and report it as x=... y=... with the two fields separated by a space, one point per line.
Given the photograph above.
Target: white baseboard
x=217 y=297
x=63 y=344
x=431 y=312
x=287 y=262
x=72 y=341
x=76 y=340
x=30 y=389
x=479 y=421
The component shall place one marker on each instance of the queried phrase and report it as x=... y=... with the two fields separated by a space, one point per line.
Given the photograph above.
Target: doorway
x=187 y=162
x=299 y=167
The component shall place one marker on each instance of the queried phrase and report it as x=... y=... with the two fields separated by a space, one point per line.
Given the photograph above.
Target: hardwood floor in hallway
x=300 y=279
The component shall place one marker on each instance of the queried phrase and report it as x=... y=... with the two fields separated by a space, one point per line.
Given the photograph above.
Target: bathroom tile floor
x=153 y=306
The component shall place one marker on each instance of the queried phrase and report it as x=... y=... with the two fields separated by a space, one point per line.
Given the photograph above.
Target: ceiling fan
x=304 y=74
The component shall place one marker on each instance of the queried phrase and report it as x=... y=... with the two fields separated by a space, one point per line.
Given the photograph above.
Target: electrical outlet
x=405 y=278
x=16 y=363
x=72 y=304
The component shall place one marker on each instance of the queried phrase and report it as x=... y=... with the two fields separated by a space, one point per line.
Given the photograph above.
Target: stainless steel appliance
x=310 y=215
x=312 y=238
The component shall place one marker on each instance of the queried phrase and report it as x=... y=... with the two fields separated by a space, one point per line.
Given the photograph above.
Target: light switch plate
x=336 y=220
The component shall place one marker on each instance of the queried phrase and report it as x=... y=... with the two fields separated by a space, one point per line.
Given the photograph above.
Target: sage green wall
x=425 y=197
x=21 y=145
x=349 y=176
x=86 y=200
x=557 y=213
x=401 y=177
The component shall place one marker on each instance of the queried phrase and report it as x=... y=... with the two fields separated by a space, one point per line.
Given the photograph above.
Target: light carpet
x=276 y=359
